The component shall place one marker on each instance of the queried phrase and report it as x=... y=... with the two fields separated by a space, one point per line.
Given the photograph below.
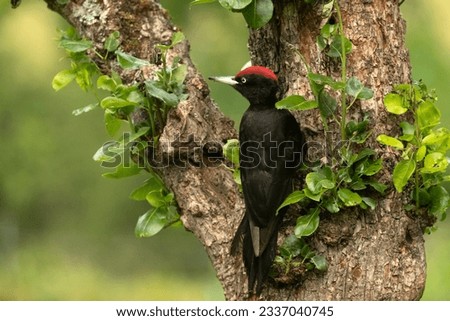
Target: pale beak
x=225 y=80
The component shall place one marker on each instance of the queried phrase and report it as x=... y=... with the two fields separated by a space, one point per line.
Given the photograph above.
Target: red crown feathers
x=258 y=70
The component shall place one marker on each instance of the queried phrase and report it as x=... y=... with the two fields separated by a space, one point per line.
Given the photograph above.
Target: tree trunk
x=372 y=255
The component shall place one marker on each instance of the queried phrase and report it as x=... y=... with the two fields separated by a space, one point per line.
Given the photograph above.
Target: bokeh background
x=66 y=233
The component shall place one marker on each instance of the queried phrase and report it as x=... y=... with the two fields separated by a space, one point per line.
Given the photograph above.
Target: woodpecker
x=271 y=150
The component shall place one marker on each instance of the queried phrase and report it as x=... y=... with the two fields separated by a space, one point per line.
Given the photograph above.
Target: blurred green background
x=66 y=233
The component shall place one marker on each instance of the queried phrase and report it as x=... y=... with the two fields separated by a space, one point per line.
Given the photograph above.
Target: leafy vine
x=143 y=107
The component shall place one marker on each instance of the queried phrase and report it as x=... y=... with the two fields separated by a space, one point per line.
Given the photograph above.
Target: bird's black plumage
x=271 y=146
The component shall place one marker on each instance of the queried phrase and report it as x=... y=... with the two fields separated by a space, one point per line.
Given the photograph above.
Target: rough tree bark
x=372 y=255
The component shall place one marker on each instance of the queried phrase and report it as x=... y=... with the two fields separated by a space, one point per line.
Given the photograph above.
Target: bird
x=271 y=149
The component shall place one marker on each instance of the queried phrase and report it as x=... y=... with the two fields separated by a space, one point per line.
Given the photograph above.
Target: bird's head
x=256 y=83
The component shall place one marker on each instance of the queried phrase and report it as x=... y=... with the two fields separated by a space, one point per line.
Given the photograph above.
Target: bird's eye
x=243 y=80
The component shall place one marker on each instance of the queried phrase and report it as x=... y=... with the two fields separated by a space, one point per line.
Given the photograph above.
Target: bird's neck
x=263 y=103
x=265 y=106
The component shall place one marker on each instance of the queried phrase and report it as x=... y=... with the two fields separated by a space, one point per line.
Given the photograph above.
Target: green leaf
x=296 y=102
x=307 y=224
x=402 y=173
x=407 y=128
x=408 y=131
x=154 y=220
x=105 y=153
x=428 y=115
x=151 y=184
x=365 y=153
x=390 y=141
x=424 y=196
x=357 y=131
x=123 y=170
x=434 y=162
x=154 y=90
x=319 y=181
x=394 y=104
x=111 y=151
x=141 y=132
x=75 y=46
x=179 y=74
x=357 y=184
x=112 y=102
x=85 y=109
x=325 y=80
x=305 y=250
x=83 y=77
x=258 y=13
x=439 y=201
x=113 y=41
x=234 y=4
x=292 y=246
x=155 y=198
x=231 y=151
x=327 y=8
x=196 y=2
x=369 y=167
x=62 y=79
x=348 y=197
x=294 y=197
x=127 y=61
x=328 y=30
x=421 y=152
x=237 y=178
x=314 y=196
x=177 y=37
x=169 y=198
x=337 y=44
x=356 y=89
x=112 y=123
x=327 y=104
x=437 y=137
x=106 y=83
x=134 y=96
x=370 y=202
x=379 y=187
x=331 y=205
x=319 y=262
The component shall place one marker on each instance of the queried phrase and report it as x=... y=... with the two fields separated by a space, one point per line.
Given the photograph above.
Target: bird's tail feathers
x=239 y=236
x=258 y=267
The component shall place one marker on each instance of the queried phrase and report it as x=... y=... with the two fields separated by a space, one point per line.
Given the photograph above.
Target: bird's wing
x=267 y=168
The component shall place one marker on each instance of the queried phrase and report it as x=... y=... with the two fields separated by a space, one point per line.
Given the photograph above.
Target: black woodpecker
x=271 y=148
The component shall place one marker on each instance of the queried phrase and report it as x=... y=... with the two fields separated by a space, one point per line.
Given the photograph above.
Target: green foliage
x=162 y=213
x=295 y=252
x=346 y=180
x=296 y=102
x=127 y=61
x=307 y=224
x=82 y=69
x=231 y=153
x=424 y=147
x=257 y=13
x=128 y=155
